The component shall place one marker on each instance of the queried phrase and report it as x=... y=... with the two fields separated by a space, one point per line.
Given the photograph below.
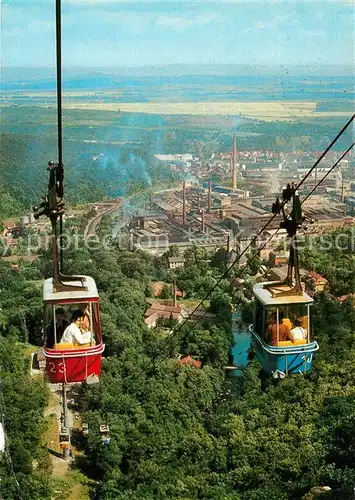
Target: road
x=93 y=223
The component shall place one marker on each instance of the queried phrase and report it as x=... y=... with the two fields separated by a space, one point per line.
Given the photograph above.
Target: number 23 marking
x=54 y=368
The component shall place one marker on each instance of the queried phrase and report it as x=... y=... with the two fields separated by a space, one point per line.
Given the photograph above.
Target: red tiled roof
x=11 y=241
x=315 y=277
x=151 y=319
x=162 y=307
x=9 y=224
x=344 y=298
x=188 y=360
x=162 y=314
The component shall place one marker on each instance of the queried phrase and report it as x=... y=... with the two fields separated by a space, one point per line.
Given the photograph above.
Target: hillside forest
x=180 y=431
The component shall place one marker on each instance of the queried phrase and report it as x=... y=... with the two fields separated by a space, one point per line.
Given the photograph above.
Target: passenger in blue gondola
x=298 y=333
x=61 y=324
x=73 y=334
x=277 y=331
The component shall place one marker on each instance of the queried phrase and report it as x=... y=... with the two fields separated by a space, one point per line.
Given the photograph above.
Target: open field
x=266 y=111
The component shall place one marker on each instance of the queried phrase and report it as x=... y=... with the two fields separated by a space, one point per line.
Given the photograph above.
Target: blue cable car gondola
x=281 y=331
x=282 y=356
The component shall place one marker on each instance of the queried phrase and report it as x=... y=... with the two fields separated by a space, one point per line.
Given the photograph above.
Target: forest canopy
x=180 y=431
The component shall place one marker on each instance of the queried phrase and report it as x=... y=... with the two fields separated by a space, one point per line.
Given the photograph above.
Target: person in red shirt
x=277 y=331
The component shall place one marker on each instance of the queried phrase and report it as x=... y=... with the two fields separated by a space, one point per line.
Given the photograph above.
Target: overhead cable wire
x=254 y=239
x=329 y=171
x=58 y=37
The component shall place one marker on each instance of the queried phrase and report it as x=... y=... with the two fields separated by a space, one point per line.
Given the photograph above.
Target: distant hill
x=190 y=83
x=34 y=74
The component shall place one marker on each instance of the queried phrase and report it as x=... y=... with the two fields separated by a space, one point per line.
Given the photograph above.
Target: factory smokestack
x=231 y=167
x=203 y=225
x=342 y=191
x=234 y=164
x=209 y=196
x=150 y=200
x=184 y=203
x=198 y=196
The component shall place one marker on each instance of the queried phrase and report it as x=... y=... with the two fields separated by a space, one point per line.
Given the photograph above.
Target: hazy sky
x=110 y=33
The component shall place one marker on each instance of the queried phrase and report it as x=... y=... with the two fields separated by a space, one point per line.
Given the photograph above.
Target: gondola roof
x=263 y=294
x=86 y=294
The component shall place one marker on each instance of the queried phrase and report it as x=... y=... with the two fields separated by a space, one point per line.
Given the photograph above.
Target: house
x=176 y=262
x=277 y=273
x=315 y=281
x=278 y=258
x=161 y=311
x=38 y=360
x=188 y=360
x=280 y=273
x=201 y=314
x=151 y=321
x=349 y=296
x=238 y=283
x=264 y=254
x=10 y=242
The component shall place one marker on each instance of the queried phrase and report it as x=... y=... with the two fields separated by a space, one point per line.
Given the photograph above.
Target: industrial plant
x=227 y=198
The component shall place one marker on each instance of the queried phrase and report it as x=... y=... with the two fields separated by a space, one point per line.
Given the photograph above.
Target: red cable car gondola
x=69 y=362
x=74 y=361
x=73 y=354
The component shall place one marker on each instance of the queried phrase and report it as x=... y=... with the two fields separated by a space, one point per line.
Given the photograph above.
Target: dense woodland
x=23 y=172
x=176 y=432
x=332 y=255
x=182 y=432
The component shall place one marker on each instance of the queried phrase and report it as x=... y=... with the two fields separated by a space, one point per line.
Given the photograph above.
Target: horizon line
x=184 y=64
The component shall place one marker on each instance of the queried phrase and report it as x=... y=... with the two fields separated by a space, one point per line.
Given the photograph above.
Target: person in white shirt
x=72 y=334
x=298 y=333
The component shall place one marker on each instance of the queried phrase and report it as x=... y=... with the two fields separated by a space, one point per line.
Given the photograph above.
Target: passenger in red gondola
x=73 y=333
x=61 y=324
x=85 y=322
x=278 y=331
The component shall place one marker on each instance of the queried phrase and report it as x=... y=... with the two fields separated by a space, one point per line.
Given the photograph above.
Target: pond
x=240 y=348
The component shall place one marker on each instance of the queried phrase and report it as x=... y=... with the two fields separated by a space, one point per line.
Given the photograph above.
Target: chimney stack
x=184 y=203
x=150 y=200
x=198 y=196
x=342 y=191
x=209 y=196
x=234 y=164
x=203 y=224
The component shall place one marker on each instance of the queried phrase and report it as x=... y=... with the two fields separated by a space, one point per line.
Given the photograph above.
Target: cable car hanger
x=292 y=221
x=52 y=205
